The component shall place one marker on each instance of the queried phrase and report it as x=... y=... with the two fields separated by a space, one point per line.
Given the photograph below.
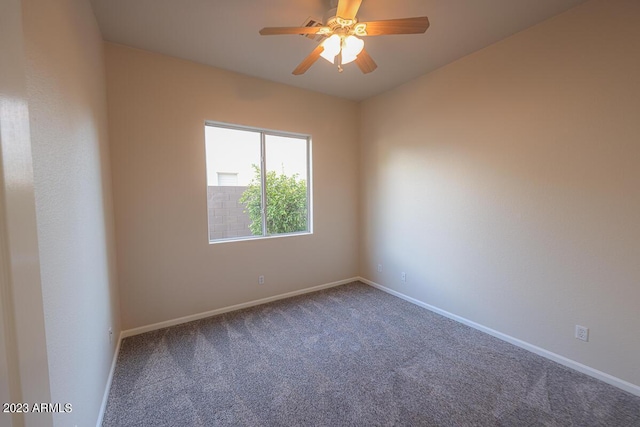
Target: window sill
x=254 y=238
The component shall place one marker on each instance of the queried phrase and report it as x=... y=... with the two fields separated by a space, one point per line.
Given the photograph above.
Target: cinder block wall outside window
x=226 y=214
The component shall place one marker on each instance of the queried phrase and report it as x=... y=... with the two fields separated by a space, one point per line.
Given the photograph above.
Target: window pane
x=286 y=184
x=234 y=192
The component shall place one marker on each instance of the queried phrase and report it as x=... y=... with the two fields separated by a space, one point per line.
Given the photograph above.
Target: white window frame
x=263 y=161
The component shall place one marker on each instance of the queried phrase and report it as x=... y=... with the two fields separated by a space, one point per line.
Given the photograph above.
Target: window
x=258 y=182
x=227 y=179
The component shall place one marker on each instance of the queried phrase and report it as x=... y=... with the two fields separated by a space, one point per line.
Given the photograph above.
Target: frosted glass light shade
x=331 y=47
x=351 y=48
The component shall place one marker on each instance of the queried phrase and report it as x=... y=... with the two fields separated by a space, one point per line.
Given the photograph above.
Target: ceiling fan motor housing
x=330 y=17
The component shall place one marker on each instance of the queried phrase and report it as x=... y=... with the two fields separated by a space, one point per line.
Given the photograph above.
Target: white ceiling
x=224 y=34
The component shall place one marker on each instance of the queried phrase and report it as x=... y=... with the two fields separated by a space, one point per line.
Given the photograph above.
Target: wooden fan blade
x=416 y=25
x=365 y=62
x=309 y=60
x=348 y=9
x=274 y=31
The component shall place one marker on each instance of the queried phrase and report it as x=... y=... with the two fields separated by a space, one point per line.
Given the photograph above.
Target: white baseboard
x=191 y=318
x=107 y=388
x=609 y=379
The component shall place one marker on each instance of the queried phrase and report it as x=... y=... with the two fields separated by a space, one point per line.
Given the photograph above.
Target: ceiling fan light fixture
x=350 y=47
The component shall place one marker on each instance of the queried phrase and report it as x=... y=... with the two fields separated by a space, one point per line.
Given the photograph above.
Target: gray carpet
x=350 y=355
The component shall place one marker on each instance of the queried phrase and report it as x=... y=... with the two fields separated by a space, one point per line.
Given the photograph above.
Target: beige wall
x=166 y=267
x=506 y=186
x=67 y=107
x=24 y=370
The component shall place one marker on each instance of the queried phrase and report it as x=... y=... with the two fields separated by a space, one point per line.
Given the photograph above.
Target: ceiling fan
x=343 y=30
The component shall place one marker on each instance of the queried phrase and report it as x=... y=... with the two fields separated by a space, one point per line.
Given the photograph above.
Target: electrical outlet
x=379 y=268
x=111 y=335
x=260 y=280
x=403 y=276
x=582 y=333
